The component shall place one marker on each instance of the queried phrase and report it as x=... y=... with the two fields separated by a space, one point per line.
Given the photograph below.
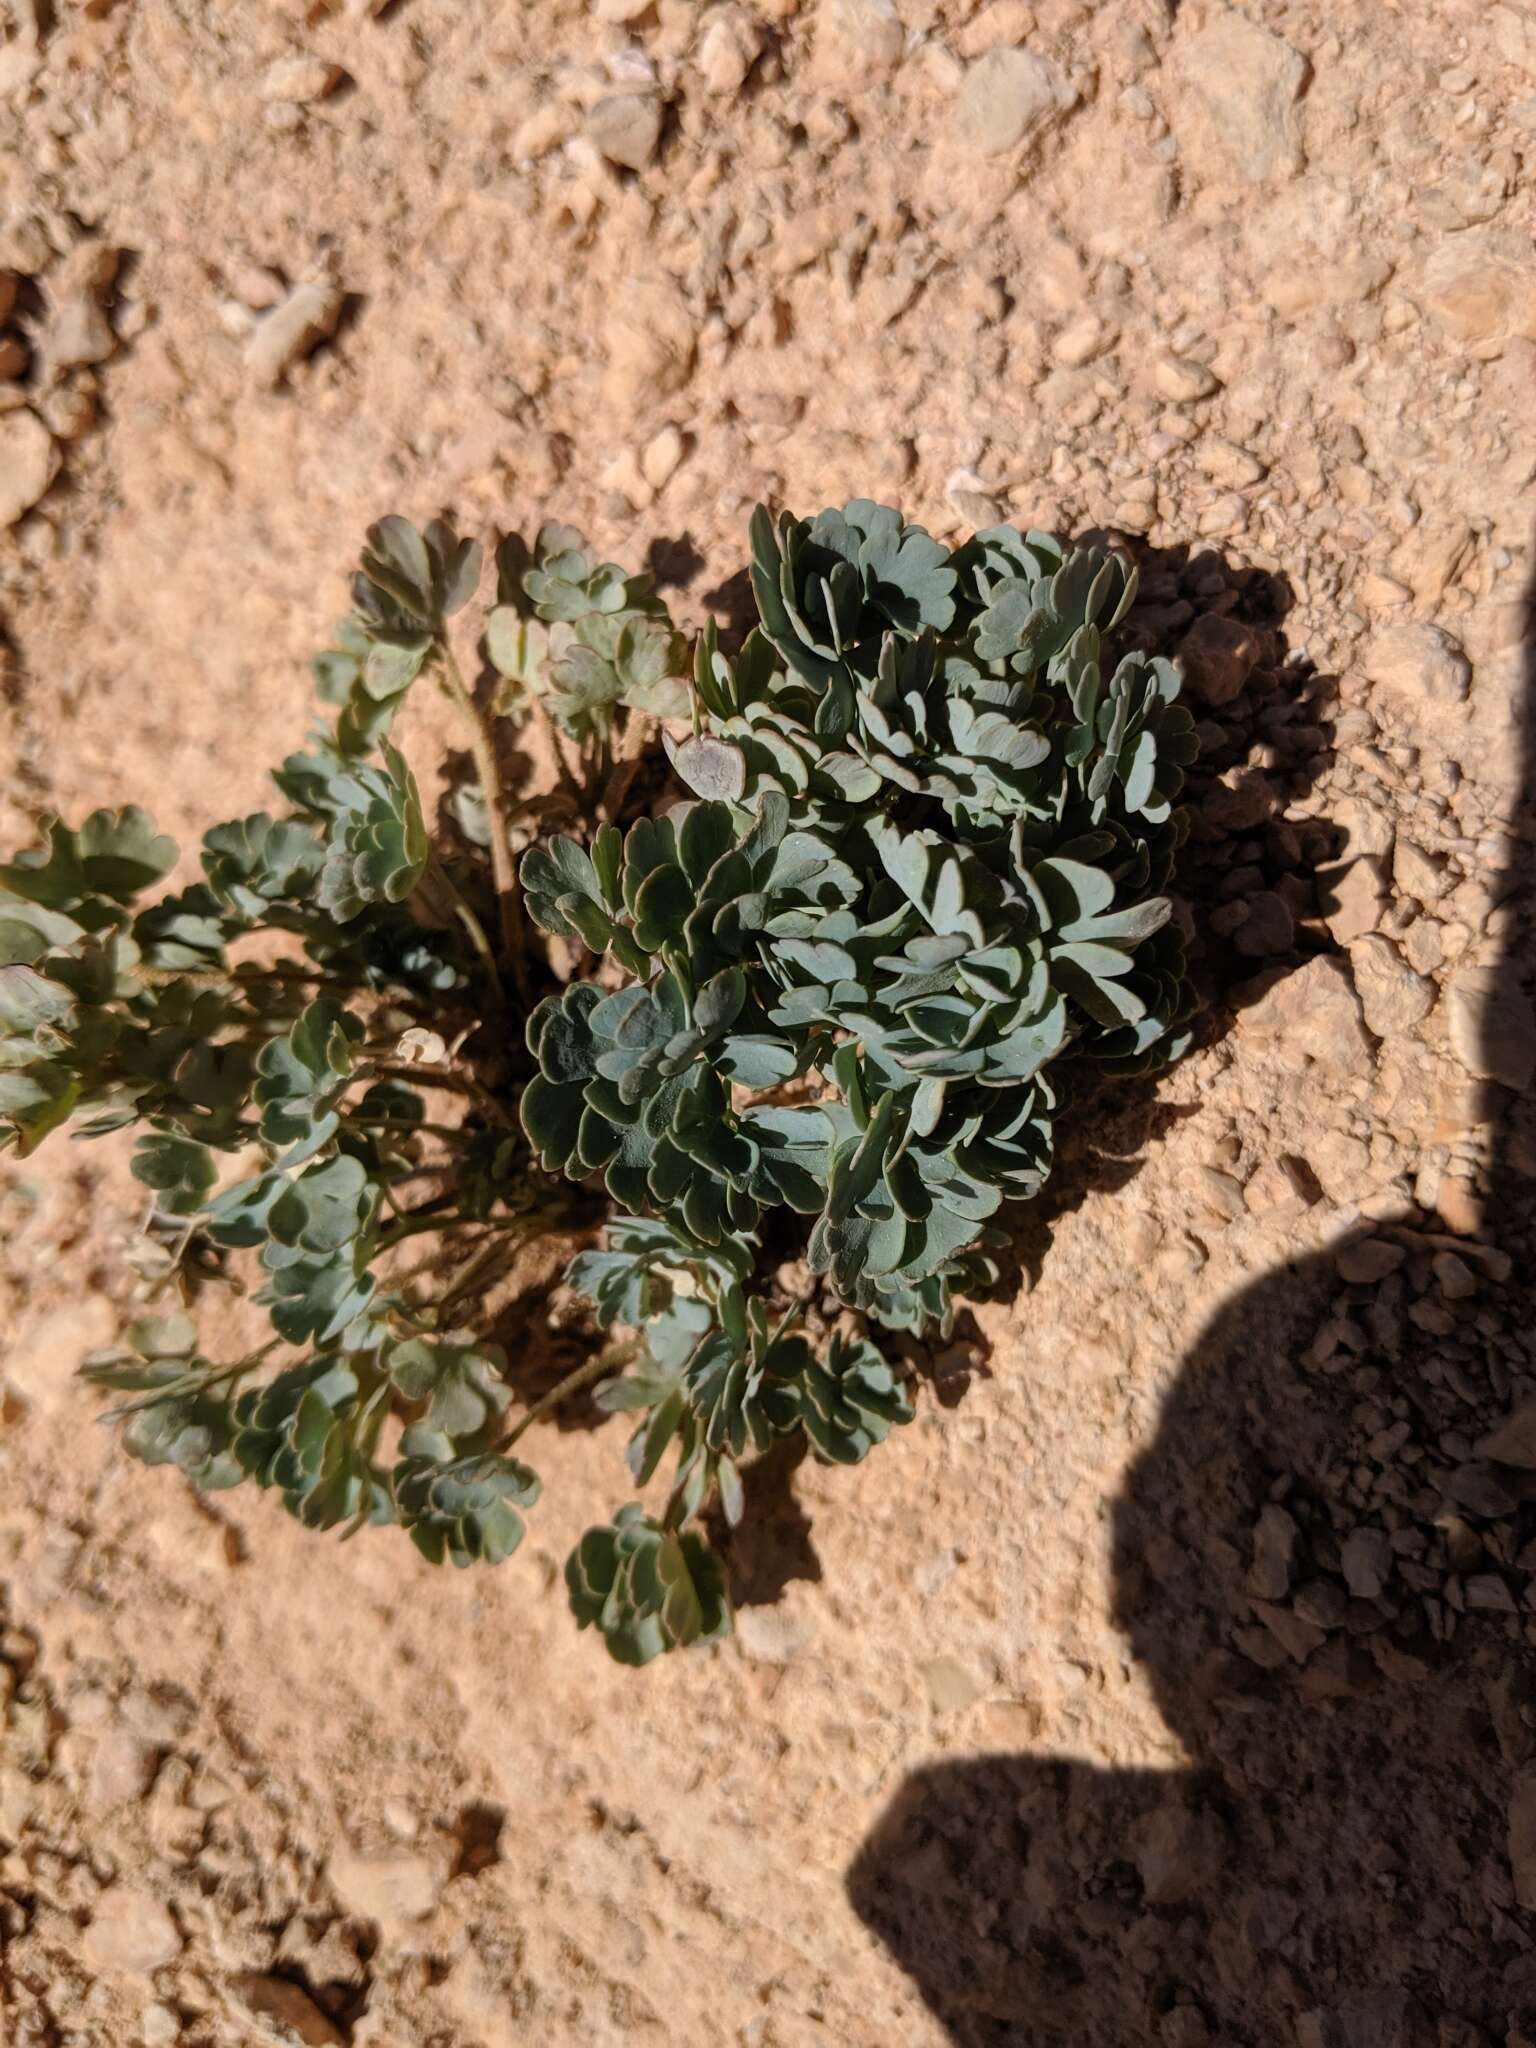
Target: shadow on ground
x=1324 y=1567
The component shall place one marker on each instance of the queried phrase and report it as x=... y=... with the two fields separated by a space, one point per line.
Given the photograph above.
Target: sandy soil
x=1170 y=1679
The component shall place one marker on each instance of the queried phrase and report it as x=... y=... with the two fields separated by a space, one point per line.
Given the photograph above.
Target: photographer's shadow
x=1325 y=1565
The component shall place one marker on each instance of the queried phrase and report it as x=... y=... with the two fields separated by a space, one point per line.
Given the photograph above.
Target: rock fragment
x=1514 y=1441
x=1478 y=286
x=1366 y=1561
x=78 y=330
x=661 y=457
x=300 y=79
x=869 y=33
x=29 y=462
x=1276 y=1540
x=1239 y=113
x=1358 y=895
x=1007 y=98
x=1367 y=1261
x=1310 y=1014
x=131 y=1933
x=1217 y=656
x=1418 y=661
x=290 y=331
x=393 y=1890
x=626 y=128
x=295 y=2013
x=1182 y=382
x=1393 y=997
x=1268 y=929
x=727 y=51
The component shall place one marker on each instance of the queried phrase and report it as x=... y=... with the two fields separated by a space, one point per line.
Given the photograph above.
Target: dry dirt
x=1168 y=1682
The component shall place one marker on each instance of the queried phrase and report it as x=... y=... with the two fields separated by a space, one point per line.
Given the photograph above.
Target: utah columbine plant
x=799 y=1022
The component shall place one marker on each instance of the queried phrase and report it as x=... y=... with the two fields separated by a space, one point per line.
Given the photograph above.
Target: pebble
x=283 y=337
x=393 y=1890
x=293 y=2011
x=1393 y=997
x=300 y=79
x=1477 y=286
x=130 y=1933
x=1418 y=661
x=1297 y=1636
x=871 y=32
x=1217 y=656
x=1268 y=929
x=1514 y=1441
x=1456 y=1280
x=1418 y=874
x=1225 y=463
x=69 y=411
x=1366 y=1562
x=122 y=1768
x=158 y=2025
x=1276 y=1540
x=1240 y=110
x=1367 y=1260
x=1492 y=1027
x=1358 y=897
x=727 y=51
x=1080 y=341
x=1479 y=1489
x=29 y=461
x=626 y=128
x=769 y=1636
x=1312 y=1013
x=78 y=330
x=1182 y=382
x=1007 y=98
x=951 y=1685
x=661 y=457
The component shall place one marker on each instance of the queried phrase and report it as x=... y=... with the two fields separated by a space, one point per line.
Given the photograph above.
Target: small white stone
x=301 y=79
x=284 y=336
x=392 y=1890
x=662 y=457
x=29 y=462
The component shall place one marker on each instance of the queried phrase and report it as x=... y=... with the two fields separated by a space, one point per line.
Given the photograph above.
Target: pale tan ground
x=1261 y=280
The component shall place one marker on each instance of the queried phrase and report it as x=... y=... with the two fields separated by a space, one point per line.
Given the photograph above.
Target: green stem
x=597 y=1368
x=503 y=863
x=403 y=1124
x=195 y=1382
x=417 y=1226
x=472 y=925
